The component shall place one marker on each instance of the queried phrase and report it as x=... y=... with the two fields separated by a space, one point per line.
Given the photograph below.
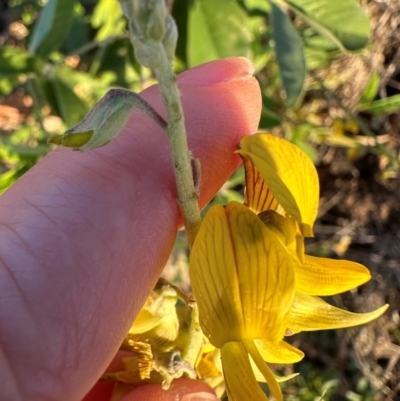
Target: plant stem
x=187 y=193
x=195 y=341
x=154 y=36
x=181 y=157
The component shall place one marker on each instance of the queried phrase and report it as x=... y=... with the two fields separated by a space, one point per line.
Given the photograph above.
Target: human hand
x=84 y=237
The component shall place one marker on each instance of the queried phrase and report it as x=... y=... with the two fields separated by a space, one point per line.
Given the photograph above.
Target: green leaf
x=108 y=17
x=314 y=40
x=70 y=107
x=9 y=177
x=259 y=5
x=344 y=21
x=372 y=88
x=16 y=61
x=217 y=30
x=269 y=119
x=180 y=13
x=52 y=27
x=289 y=55
x=79 y=35
x=316 y=58
x=385 y=106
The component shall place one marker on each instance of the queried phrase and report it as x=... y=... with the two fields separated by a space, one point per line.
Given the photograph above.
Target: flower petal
x=281 y=379
x=159 y=306
x=214 y=279
x=284 y=228
x=323 y=276
x=264 y=369
x=240 y=382
x=281 y=352
x=261 y=379
x=206 y=366
x=258 y=197
x=312 y=313
x=242 y=277
x=288 y=172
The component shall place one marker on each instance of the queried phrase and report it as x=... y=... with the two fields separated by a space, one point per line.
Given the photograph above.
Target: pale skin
x=84 y=237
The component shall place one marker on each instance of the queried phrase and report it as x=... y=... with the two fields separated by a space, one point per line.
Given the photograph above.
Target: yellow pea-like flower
x=251 y=278
x=243 y=280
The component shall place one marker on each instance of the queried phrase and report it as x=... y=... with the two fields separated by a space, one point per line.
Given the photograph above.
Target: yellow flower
x=250 y=276
x=282 y=186
x=243 y=281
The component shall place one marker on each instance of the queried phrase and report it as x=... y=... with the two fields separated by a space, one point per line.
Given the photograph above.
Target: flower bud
x=171 y=38
x=156 y=24
x=148 y=17
x=145 y=53
x=106 y=120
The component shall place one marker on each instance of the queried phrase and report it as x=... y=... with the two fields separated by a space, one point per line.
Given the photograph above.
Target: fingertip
x=202 y=396
x=101 y=391
x=181 y=390
x=217 y=71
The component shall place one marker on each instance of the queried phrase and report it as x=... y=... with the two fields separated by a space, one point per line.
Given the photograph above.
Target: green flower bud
x=156 y=23
x=72 y=140
x=106 y=120
x=145 y=53
x=148 y=16
x=171 y=38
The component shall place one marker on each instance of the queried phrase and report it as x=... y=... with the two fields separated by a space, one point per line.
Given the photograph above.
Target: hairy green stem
x=181 y=157
x=187 y=193
x=154 y=35
x=195 y=341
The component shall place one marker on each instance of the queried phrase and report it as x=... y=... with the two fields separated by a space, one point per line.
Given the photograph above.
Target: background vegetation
x=330 y=78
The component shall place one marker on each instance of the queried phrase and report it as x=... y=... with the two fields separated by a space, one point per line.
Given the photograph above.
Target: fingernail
x=203 y=396
x=217 y=71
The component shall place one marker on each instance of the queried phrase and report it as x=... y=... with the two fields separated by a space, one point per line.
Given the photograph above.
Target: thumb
x=182 y=389
x=84 y=237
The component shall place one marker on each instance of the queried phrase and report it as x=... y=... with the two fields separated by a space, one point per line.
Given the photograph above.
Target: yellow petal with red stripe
x=289 y=174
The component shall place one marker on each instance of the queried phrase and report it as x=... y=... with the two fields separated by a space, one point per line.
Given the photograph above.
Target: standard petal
x=258 y=196
x=288 y=172
x=281 y=352
x=312 y=313
x=323 y=276
x=242 y=277
x=240 y=382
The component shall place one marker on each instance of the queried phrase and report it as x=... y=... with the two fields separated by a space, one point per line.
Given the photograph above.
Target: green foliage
x=382 y=107
x=17 y=61
x=217 y=32
x=344 y=21
x=108 y=19
x=53 y=26
x=289 y=54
